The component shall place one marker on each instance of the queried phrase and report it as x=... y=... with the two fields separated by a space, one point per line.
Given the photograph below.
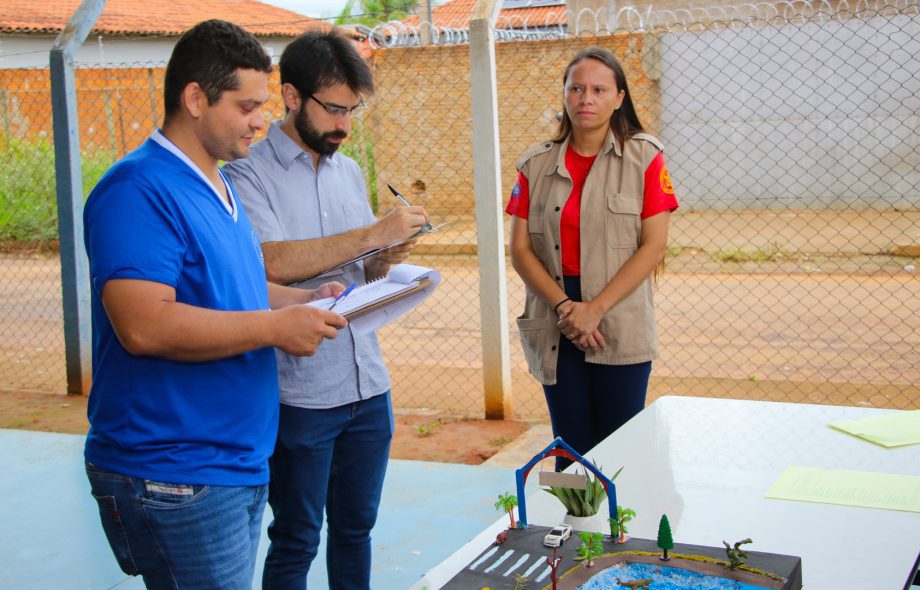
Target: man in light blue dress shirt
x=310 y=208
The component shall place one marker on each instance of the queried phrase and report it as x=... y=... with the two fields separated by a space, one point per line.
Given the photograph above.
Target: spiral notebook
x=379 y=302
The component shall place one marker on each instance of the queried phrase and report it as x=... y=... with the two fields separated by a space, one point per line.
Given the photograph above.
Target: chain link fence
x=791 y=137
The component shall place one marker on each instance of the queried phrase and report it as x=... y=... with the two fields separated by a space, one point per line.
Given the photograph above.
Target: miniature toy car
x=557 y=536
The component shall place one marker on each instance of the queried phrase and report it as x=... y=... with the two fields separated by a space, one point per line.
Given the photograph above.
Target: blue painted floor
x=50 y=536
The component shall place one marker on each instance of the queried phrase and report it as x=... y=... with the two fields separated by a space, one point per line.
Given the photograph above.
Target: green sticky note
x=866 y=489
x=888 y=430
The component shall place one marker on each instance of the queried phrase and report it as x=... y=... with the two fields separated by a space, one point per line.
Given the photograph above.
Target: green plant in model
x=736 y=555
x=618 y=528
x=506 y=503
x=582 y=502
x=591 y=546
x=665 y=539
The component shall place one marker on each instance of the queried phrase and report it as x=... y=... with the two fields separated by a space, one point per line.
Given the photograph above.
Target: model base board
x=523 y=554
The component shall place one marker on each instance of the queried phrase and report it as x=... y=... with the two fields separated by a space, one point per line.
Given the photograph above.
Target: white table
x=707 y=464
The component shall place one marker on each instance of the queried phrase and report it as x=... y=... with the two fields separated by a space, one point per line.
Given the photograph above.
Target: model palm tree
x=506 y=503
x=592 y=546
x=618 y=526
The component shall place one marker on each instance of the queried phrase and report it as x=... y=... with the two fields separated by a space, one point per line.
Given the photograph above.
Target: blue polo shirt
x=155 y=217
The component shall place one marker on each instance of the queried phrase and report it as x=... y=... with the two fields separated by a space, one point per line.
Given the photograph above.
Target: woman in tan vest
x=590 y=214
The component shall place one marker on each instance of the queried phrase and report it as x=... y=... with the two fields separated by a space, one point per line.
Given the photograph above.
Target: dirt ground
x=418 y=437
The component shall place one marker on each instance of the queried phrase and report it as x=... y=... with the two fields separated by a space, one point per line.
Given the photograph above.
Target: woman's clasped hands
x=579 y=321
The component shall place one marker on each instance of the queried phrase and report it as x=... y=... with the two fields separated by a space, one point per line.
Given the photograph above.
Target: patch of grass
x=423 y=430
x=772 y=253
x=499 y=442
x=28 y=203
x=17 y=424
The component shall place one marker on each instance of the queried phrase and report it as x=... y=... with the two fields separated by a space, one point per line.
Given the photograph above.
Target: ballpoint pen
x=425 y=228
x=343 y=294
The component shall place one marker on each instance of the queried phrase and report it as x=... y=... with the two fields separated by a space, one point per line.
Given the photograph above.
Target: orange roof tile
x=143 y=17
x=457 y=14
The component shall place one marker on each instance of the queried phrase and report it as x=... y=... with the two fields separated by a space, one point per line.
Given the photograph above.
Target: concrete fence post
x=493 y=290
x=69 y=179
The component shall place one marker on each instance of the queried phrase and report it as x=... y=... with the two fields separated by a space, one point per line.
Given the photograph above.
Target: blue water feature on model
x=663 y=578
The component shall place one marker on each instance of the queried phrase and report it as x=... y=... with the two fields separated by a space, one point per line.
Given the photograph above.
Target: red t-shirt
x=659 y=197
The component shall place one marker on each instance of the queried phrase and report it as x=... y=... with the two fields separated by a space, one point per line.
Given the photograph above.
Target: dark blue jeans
x=334 y=459
x=178 y=536
x=590 y=401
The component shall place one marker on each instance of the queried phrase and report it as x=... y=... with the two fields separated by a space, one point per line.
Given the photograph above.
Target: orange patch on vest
x=664 y=179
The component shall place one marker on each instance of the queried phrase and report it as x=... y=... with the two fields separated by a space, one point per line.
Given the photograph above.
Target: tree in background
x=373 y=12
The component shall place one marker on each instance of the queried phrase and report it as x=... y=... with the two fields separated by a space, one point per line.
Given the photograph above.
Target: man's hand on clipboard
x=398 y=225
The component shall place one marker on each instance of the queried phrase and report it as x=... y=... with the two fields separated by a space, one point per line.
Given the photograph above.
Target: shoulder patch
x=530 y=152
x=664 y=180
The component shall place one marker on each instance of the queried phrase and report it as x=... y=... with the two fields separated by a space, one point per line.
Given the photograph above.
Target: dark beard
x=312 y=138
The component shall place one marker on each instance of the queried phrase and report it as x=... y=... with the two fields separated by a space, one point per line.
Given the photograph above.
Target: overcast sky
x=314 y=8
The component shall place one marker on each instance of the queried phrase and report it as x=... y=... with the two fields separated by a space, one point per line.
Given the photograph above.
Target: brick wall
x=421 y=121
x=117 y=108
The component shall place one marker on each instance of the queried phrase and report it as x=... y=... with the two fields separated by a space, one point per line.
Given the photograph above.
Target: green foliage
x=584 y=502
x=618 y=524
x=374 y=12
x=591 y=546
x=360 y=148
x=28 y=203
x=736 y=555
x=665 y=540
x=506 y=501
x=772 y=253
x=423 y=430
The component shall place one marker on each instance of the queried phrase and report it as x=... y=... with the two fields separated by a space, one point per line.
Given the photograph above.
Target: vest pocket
x=537 y=235
x=533 y=335
x=623 y=220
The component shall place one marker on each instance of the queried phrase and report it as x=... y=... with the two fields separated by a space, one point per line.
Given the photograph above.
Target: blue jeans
x=589 y=401
x=335 y=459
x=180 y=536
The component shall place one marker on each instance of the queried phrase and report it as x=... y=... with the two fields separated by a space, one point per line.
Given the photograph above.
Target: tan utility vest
x=611 y=208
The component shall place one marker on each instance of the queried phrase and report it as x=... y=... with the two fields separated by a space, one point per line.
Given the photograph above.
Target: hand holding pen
x=343 y=295
x=427 y=227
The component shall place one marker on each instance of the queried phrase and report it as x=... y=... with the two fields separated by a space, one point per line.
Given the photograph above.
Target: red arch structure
x=559 y=448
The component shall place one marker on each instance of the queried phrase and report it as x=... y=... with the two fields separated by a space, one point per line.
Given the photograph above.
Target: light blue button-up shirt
x=286 y=199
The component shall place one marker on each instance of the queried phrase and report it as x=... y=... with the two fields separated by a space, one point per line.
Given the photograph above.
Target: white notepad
x=375 y=304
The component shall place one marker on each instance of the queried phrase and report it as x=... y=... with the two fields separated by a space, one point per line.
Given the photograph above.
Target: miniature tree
x=665 y=540
x=520 y=582
x=736 y=555
x=506 y=503
x=591 y=547
x=618 y=525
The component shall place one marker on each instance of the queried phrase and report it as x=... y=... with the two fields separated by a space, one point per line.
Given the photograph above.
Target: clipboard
x=376 y=304
x=409 y=289
x=369 y=253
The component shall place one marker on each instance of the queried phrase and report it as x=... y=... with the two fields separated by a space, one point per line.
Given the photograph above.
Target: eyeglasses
x=340 y=112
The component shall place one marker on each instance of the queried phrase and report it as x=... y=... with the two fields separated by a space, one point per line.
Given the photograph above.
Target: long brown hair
x=624 y=122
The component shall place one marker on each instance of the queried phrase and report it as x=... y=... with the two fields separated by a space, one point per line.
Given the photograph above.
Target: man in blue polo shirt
x=309 y=206
x=184 y=403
